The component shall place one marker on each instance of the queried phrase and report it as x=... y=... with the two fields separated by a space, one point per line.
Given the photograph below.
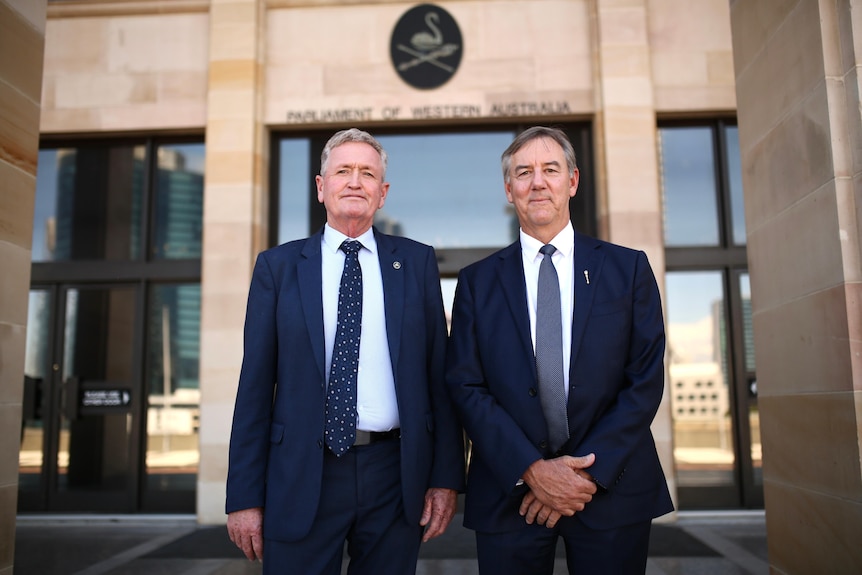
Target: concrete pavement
x=732 y=543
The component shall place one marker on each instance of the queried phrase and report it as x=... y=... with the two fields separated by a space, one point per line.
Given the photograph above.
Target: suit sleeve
x=615 y=435
x=249 y=442
x=448 y=469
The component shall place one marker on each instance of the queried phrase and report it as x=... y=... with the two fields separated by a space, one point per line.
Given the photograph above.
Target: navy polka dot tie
x=340 y=431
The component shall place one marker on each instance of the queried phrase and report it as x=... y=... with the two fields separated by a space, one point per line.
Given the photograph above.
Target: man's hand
x=533 y=510
x=557 y=487
x=439 y=509
x=245 y=529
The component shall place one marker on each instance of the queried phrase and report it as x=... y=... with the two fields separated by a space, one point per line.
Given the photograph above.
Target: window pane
x=756 y=445
x=98 y=351
x=173 y=393
x=753 y=410
x=294 y=188
x=88 y=203
x=179 y=201
x=747 y=324
x=37 y=371
x=447 y=190
x=689 y=187
x=447 y=286
x=703 y=441
x=734 y=182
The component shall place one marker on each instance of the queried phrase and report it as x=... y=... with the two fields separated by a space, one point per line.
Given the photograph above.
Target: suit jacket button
x=320 y=444
x=532 y=392
x=543 y=444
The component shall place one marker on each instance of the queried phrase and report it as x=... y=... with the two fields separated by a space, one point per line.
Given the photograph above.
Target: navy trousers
x=360 y=504
x=531 y=550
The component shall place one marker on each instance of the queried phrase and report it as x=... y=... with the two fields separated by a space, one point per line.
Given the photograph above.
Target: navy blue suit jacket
x=616 y=383
x=276 y=446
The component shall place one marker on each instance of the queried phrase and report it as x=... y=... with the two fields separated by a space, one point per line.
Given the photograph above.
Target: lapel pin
x=396 y=265
x=587 y=276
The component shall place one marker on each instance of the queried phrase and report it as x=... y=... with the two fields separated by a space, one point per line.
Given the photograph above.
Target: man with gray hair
x=555 y=366
x=342 y=429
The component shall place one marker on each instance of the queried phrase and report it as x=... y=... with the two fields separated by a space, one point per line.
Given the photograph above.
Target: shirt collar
x=333 y=239
x=563 y=241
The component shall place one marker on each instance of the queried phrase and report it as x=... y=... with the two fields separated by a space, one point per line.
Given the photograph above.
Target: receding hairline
x=539 y=133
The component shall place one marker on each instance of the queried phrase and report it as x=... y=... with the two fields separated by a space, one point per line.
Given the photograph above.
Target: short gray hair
x=352 y=135
x=535 y=133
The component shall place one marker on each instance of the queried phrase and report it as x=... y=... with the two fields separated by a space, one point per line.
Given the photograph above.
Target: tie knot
x=547 y=249
x=351 y=247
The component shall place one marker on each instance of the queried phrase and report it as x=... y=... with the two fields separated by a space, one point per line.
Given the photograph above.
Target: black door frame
x=58 y=276
x=731 y=260
x=56 y=407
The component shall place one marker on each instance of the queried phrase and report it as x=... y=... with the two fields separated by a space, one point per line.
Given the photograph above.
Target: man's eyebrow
x=524 y=166
x=356 y=165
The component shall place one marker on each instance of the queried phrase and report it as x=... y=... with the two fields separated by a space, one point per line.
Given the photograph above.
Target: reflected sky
x=46 y=202
x=734 y=174
x=294 y=187
x=446 y=190
x=692 y=298
x=689 y=187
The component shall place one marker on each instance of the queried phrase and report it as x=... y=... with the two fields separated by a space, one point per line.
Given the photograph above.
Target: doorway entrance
x=713 y=386
x=81 y=423
x=110 y=414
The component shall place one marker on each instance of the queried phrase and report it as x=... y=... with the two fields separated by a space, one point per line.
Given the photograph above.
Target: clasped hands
x=558 y=487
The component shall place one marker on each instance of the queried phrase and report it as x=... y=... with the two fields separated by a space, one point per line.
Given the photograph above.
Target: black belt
x=369 y=437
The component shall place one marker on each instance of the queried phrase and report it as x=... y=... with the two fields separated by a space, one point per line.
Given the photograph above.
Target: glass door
x=712 y=387
x=713 y=390
x=78 y=449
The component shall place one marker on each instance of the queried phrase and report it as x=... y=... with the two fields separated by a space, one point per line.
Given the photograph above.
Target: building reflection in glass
x=703 y=440
x=173 y=400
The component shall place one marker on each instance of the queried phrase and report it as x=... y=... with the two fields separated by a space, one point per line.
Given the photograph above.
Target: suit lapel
x=391 y=269
x=588 y=266
x=510 y=272
x=310 y=275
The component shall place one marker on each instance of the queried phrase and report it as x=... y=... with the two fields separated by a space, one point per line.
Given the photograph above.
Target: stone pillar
x=627 y=158
x=22 y=32
x=797 y=83
x=234 y=227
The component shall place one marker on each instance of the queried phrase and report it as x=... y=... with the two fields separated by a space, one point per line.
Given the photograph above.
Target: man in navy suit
x=295 y=495
x=601 y=484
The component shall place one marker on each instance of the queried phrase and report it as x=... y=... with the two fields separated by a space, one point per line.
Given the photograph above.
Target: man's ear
x=318 y=180
x=384 y=191
x=573 y=183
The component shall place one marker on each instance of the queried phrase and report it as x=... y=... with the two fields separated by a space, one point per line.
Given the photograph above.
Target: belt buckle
x=362 y=438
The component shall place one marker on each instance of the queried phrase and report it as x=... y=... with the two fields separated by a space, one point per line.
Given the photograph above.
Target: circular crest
x=426 y=46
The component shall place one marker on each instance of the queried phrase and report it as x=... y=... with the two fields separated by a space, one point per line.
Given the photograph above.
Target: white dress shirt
x=564 y=262
x=376 y=403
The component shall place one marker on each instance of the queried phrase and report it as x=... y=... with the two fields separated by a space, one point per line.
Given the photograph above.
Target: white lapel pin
x=396 y=265
x=587 y=276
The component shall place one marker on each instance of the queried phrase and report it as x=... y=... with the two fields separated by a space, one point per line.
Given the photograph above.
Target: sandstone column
x=22 y=32
x=234 y=227
x=627 y=160
x=797 y=84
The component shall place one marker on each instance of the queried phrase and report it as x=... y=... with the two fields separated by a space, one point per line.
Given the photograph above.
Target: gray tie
x=549 y=350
